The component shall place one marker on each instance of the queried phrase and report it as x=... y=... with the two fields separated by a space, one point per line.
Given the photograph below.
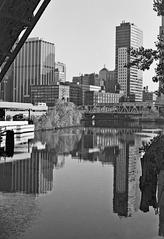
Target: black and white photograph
x=81 y=119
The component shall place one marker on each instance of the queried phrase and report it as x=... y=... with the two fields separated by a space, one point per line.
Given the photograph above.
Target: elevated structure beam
x=8 y=57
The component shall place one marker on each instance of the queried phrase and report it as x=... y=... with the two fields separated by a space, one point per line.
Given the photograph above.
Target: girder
x=17 y=20
x=121 y=108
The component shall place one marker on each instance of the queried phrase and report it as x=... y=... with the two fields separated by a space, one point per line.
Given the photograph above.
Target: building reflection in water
x=126 y=169
x=25 y=176
x=31 y=172
x=120 y=148
x=33 y=175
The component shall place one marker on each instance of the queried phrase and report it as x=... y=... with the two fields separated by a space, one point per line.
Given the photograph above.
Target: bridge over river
x=122 y=111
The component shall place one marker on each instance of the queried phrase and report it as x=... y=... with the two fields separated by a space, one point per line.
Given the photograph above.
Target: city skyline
x=84 y=32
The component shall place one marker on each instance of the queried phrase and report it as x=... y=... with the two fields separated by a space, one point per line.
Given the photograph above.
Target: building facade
x=86 y=88
x=75 y=94
x=88 y=82
x=109 y=79
x=60 y=72
x=148 y=96
x=34 y=65
x=130 y=79
x=49 y=94
x=88 y=79
x=101 y=98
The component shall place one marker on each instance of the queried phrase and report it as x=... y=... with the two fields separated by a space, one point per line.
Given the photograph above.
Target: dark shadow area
x=152 y=179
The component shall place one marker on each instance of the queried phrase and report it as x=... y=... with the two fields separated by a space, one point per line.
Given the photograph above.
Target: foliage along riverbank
x=152 y=164
x=154 y=152
x=64 y=114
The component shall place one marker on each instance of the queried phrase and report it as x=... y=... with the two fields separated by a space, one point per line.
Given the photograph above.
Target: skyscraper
x=34 y=65
x=130 y=80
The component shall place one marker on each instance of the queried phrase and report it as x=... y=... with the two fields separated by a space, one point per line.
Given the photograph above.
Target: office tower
x=60 y=72
x=129 y=79
x=34 y=65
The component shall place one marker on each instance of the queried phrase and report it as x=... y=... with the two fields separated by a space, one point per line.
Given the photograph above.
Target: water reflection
x=32 y=175
x=120 y=148
x=31 y=172
x=18 y=212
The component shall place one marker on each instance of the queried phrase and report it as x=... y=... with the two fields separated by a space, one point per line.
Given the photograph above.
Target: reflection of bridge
x=17 y=20
x=113 y=131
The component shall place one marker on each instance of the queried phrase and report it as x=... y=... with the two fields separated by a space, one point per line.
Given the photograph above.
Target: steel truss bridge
x=127 y=108
x=17 y=20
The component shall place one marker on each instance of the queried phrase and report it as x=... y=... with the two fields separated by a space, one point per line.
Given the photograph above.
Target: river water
x=80 y=183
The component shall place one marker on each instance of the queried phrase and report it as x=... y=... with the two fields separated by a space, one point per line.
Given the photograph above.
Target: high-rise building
x=130 y=79
x=34 y=65
x=60 y=72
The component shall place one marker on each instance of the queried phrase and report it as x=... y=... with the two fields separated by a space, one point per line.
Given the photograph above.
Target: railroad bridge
x=123 y=110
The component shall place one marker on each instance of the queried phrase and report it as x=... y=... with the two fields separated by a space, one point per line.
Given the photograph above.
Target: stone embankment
x=64 y=114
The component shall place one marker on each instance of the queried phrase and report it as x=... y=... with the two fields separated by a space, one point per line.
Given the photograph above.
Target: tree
x=158 y=6
x=143 y=58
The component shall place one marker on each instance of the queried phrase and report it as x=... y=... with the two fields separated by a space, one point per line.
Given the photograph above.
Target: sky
x=83 y=32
